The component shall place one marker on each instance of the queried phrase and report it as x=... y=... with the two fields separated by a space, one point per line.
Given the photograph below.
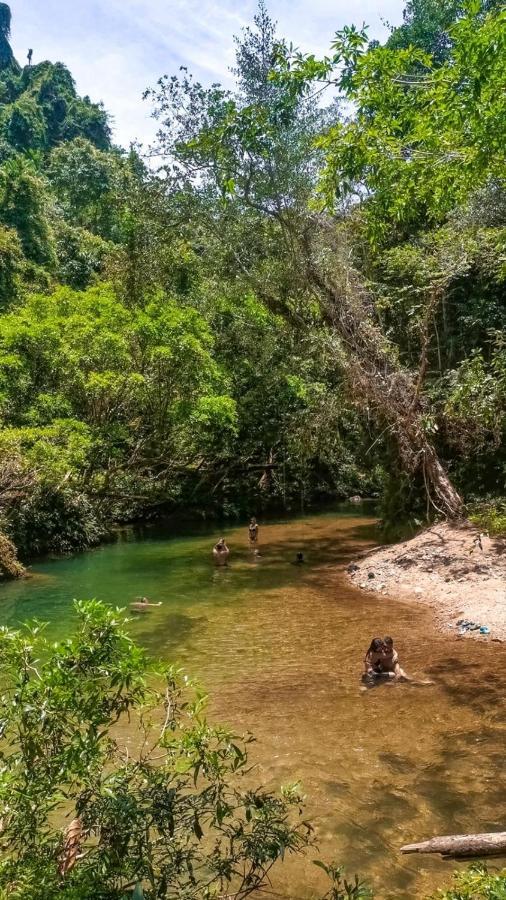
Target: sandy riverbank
x=453 y=569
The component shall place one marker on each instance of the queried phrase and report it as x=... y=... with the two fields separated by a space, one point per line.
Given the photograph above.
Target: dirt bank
x=453 y=569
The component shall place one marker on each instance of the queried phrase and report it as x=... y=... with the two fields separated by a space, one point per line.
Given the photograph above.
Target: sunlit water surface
x=280 y=648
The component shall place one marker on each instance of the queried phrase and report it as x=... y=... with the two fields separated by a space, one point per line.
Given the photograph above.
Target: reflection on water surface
x=280 y=649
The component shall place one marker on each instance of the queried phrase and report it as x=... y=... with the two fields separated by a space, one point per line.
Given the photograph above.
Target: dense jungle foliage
x=299 y=295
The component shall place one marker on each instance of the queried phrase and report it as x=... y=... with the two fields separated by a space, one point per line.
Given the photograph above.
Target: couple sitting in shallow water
x=382 y=660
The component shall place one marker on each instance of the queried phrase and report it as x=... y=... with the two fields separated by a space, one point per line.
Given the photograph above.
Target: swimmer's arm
x=396 y=668
x=399 y=671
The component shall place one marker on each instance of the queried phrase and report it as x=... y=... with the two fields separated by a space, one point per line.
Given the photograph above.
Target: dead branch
x=462 y=845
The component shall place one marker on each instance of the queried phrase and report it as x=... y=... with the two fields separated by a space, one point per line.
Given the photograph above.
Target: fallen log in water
x=468 y=845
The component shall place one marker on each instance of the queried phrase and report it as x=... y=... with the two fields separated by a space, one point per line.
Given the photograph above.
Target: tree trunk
x=462 y=845
x=449 y=499
x=376 y=377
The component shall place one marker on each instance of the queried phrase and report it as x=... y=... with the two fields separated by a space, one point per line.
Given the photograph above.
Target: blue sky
x=117 y=48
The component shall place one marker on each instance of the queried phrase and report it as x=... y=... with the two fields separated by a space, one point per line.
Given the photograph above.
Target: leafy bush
x=477 y=883
x=163 y=813
x=341 y=888
x=490 y=516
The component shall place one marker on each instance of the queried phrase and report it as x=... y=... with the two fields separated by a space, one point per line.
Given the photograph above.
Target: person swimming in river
x=221 y=553
x=142 y=603
x=253 y=531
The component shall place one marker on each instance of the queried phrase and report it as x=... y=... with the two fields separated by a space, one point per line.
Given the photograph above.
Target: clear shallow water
x=280 y=649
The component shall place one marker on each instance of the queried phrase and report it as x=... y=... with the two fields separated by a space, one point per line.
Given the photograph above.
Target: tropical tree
x=419 y=142
x=23 y=208
x=427 y=24
x=108 y=404
x=425 y=147
x=234 y=146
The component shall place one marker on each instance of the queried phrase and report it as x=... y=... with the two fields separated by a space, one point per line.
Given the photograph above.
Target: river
x=279 y=647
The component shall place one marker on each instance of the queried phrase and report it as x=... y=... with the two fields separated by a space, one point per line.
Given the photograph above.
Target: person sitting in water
x=382 y=661
x=221 y=553
x=373 y=660
x=253 y=531
x=390 y=660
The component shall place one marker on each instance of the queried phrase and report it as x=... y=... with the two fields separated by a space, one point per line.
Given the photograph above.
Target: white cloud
x=117 y=48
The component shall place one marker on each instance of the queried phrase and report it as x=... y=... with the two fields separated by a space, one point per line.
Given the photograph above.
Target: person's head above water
x=300 y=557
x=376 y=646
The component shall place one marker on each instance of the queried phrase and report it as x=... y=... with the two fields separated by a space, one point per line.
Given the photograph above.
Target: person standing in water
x=221 y=553
x=253 y=531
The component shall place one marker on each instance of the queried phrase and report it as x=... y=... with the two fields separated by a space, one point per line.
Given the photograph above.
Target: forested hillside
x=306 y=300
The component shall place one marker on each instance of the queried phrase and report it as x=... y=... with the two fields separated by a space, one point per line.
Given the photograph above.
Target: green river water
x=280 y=650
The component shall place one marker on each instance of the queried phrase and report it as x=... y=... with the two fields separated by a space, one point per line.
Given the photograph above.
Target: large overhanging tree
x=419 y=136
